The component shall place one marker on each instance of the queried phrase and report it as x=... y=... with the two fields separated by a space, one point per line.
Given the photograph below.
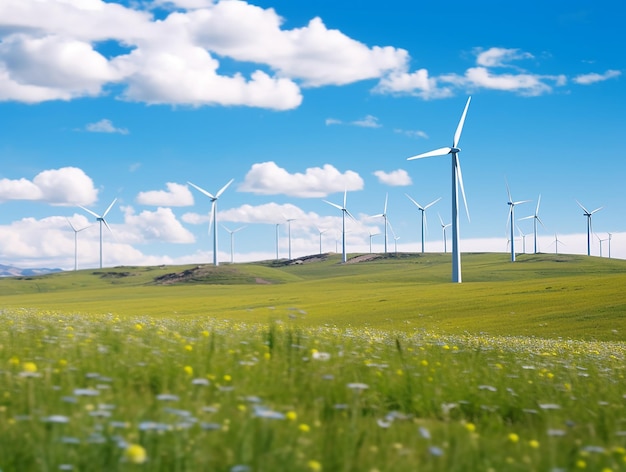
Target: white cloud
x=105 y=126
x=417 y=83
x=267 y=178
x=368 y=121
x=64 y=186
x=396 y=178
x=587 y=79
x=175 y=195
x=49 y=52
x=500 y=57
x=159 y=225
x=525 y=84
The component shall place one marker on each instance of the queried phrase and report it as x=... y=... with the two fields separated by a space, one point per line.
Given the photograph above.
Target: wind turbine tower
x=344 y=212
x=422 y=209
x=321 y=231
x=536 y=219
x=213 y=217
x=457 y=181
x=384 y=216
x=76 y=231
x=443 y=228
x=511 y=219
x=232 y=241
x=101 y=219
x=588 y=214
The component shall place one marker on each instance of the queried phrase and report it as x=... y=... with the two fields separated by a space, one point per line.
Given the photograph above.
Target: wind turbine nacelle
x=454 y=150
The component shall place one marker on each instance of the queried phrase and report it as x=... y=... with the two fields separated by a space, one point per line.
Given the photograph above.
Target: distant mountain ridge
x=10 y=271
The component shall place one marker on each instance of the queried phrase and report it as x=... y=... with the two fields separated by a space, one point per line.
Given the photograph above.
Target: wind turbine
x=371 y=236
x=76 y=231
x=588 y=214
x=289 y=220
x=277 y=236
x=344 y=212
x=610 y=236
x=423 y=210
x=232 y=241
x=536 y=219
x=443 y=227
x=600 y=240
x=556 y=243
x=213 y=217
x=511 y=219
x=523 y=236
x=395 y=239
x=100 y=219
x=384 y=216
x=457 y=181
x=321 y=232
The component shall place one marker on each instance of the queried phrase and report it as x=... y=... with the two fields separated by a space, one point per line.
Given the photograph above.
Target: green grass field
x=377 y=366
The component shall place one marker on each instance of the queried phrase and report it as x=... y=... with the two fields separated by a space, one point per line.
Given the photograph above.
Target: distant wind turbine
x=588 y=214
x=344 y=212
x=556 y=243
x=457 y=181
x=76 y=231
x=321 y=231
x=100 y=219
x=289 y=220
x=511 y=219
x=277 y=239
x=213 y=217
x=384 y=216
x=443 y=227
x=610 y=236
x=422 y=209
x=395 y=239
x=536 y=219
x=523 y=236
x=371 y=236
x=232 y=241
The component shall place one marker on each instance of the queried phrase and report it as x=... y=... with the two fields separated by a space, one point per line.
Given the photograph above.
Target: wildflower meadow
x=82 y=392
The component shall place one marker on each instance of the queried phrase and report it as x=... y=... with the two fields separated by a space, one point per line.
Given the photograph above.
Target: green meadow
x=374 y=365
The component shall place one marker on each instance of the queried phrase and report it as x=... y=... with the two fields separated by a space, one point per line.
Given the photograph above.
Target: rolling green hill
x=542 y=295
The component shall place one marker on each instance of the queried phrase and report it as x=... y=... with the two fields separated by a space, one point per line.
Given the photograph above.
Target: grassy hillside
x=542 y=295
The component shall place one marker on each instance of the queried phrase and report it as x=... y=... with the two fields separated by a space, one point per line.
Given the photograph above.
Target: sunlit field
x=101 y=392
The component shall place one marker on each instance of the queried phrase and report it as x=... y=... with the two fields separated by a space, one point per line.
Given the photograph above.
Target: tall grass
x=100 y=392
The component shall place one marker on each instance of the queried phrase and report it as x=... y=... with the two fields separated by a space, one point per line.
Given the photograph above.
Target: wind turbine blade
x=89 y=211
x=386 y=198
x=460 y=174
x=240 y=228
x=345 y=197
x=437 y=152
x=391 y=228
x=520 y=202
x=597 y=209
x=221 y=191
x=440 y=220
x=416 y=204
x=508 y=191
x=109 y=208
x=459 y=128
x=539 y=220
x=350 y=215
x=213 y=203
x=224 y=226
x=333 y=204
x=380 y=215
x=581 y=206
x=70 y=223
x=527 y=218
x=538 y=202
x=107 y=225
x=201 y=190
x=432 y=203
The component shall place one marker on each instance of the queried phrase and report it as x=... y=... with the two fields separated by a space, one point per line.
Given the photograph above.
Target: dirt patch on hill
x=363 y=258
x=209 y=274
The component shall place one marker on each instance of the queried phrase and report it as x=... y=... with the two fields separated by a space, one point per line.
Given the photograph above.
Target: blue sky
x=297 y=101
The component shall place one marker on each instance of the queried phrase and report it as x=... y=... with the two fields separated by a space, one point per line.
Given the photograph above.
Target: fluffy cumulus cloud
x=104 y=126
x=64 y=186
x=160 y=225
x=267 y=178
x=52 y=51
x=175 y=195
x=396 y=178
x=592 y=78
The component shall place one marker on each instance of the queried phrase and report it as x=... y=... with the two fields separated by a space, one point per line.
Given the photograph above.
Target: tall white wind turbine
x=588 y=214
x=344 y=212
x=371 y=236
x=213 y=217
x=556 y=243
x=384 y=216
x=277 y=239
x=457 y=181
x=232 y=241
x=536 y=219
x=511 y=219
x=76 y=231
x=443 y=228
x=289 y=220
x=100 y=219
x=422 y=209
x=600 y=240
